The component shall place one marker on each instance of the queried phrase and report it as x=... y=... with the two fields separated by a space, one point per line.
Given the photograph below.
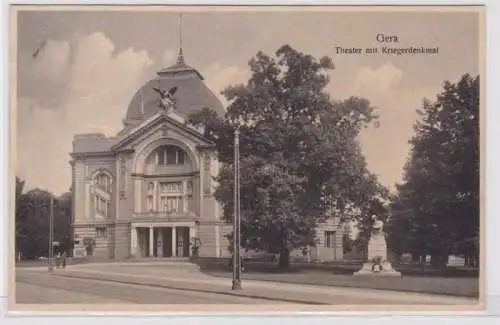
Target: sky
x=90 y=63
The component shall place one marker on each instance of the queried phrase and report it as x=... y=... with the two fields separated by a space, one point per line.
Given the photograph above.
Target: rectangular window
x=149 y=203
x=173 y=204
x=170 y=203
x=151 y=187
x=163 y=204
x=102 y=206
x=330 y=239
x=180 y=157
x=100 y=232
x=161 y=157
x=171 y=156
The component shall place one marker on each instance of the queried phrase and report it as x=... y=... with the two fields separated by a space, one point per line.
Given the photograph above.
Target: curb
x=245 y=295
x=138 y=264
x=343 y=285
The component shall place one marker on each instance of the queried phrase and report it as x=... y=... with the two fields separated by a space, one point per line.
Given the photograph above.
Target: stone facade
x=129 y=197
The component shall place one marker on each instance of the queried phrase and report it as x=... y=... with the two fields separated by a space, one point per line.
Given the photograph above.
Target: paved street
x=183 y=283
x=37 y=288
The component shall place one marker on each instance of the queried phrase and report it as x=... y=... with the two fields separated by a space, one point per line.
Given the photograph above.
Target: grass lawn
x=468 y=287
x=448 y=281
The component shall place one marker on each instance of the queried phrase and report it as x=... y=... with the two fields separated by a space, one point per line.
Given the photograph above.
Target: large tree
x=300 y=157
x=32 y=222
x=438 y=204
x=19 y=215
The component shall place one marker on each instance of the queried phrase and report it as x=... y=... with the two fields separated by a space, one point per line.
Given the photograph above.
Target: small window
x=180 y=157
x=170 y=203
x=100 y=232
x=151 y=187
x=330 y=239
x=149 y=203
x=171 y=156
x=104 y=182
x=102 y=206
x=161 y=157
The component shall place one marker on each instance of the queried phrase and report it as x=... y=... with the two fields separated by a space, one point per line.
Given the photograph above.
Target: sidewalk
x=462 y=287
x=287 y=292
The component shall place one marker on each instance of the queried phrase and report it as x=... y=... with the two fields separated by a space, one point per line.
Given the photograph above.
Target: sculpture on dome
x=167 y=101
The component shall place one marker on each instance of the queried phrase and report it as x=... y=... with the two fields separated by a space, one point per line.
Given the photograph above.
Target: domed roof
x=192 y=94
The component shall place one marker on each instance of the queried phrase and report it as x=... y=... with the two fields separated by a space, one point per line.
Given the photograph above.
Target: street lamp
x=51 y=233
x=236 y=218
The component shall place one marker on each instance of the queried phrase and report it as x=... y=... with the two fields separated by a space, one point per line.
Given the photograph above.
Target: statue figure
x=377 y=247
x=167 y=101
x=378 y=226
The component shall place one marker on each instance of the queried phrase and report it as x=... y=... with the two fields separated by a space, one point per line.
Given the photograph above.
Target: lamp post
x=236 y=218
x=51 y=233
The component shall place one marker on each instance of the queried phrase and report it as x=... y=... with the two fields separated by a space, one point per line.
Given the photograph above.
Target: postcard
x=246 y=159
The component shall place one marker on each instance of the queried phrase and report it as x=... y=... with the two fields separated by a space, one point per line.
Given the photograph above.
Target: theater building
x=148 y=191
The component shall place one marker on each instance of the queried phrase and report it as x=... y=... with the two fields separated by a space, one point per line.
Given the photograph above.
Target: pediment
x=161 y=125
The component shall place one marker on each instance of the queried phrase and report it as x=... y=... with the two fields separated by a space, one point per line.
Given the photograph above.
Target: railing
x=168 y=169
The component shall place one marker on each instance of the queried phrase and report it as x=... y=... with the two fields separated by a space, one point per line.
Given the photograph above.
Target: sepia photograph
x=246 y=158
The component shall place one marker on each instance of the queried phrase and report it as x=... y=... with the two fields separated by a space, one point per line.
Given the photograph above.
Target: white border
x=492 y=180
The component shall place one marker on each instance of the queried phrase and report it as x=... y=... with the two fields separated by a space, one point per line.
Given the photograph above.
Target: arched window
x=170 y=155
x=103 y=181
x=102 y=194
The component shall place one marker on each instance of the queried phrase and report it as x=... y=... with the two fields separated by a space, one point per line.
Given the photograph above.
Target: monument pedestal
x=383 y=269
x=377 y=264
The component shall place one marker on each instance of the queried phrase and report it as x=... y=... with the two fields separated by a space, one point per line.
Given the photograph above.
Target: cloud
x=219 y=77
x=378 y=84
x=53 y=61
x=95 y=84
x=91 y=85
x=386 y=148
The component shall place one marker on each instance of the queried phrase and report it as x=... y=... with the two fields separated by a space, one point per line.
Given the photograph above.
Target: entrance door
x=143 y=241
x=167 y=241
x=182 y=241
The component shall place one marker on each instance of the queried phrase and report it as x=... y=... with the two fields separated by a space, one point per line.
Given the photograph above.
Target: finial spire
x=180 y=57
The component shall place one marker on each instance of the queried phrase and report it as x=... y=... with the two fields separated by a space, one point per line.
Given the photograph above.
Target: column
x=137 y=195
x=159 y=246
x=184 y=196
x=116 y=188
x=200 y=183
x=174 y=242
x=133 y=241
x=155 y=196
x=192 y=235
x=151 y=242
x=88 y=195
x=217 y=241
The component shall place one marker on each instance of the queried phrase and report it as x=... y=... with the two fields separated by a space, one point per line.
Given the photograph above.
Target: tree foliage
x=437 y=208
x=32 y=221
x=299 y=153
